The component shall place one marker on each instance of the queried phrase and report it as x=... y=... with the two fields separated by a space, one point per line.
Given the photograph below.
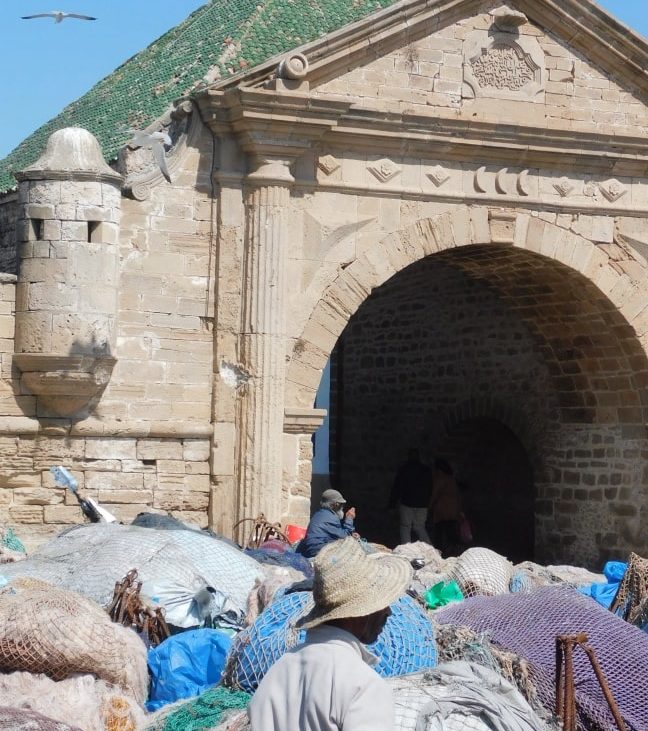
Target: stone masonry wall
x=427 y=74
x=127 y=476
x=147 y=443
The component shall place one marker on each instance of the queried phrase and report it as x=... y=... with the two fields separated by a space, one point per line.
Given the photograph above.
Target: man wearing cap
x=328 y=683
x=329 y=523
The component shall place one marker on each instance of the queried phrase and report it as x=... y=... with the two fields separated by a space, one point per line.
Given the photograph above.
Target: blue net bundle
x=527 y=625
x=406 y=644
x=288 y=558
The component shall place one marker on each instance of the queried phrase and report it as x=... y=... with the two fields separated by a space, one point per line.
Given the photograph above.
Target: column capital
x=266 y=169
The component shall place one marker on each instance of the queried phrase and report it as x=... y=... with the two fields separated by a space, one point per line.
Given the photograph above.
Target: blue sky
x=46 y=66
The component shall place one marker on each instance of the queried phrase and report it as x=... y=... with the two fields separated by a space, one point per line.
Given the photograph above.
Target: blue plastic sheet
x=186 y=665
x=604 y=593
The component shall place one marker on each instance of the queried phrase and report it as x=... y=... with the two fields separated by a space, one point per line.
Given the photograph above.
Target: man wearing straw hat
x=328 y=683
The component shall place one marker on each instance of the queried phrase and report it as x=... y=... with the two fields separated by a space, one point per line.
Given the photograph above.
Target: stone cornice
x=457 y=139
x=583 y=24
x=270 y=124
x=279 y=124
x=70 y=175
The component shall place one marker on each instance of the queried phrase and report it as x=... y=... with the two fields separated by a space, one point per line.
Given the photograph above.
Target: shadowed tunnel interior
x=520 y=372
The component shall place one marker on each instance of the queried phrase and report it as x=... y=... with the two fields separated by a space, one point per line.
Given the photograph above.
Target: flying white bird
x=155 y=142
x=58 y=16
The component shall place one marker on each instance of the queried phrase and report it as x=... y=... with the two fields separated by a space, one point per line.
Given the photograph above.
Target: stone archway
x=463 y=226
x=477 y=238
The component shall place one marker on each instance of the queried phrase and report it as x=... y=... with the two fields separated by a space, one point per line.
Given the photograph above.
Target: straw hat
x=349 y=583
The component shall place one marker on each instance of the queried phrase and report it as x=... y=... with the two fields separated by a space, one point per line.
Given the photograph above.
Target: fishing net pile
x=11 y=547
x=461 y=696
x=481 y=572
x=631 y=601
x=17 y=719
x=81 y=700
x=528 y=624
x=44 y=629
x=91 y=559
x=528 y=576
x=213 y=709
x=405 y=645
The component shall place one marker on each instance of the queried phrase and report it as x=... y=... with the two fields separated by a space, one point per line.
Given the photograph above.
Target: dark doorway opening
x=496 y=481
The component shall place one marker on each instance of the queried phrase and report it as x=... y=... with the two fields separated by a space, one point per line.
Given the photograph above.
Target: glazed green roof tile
x=223 y=37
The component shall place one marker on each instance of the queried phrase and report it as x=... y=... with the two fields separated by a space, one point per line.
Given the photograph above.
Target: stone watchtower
x=68 y=274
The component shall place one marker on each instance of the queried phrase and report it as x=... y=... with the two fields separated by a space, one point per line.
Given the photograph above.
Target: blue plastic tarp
x=185 y=665
x=604 y=593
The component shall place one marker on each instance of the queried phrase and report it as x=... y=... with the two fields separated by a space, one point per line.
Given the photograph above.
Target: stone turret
x=66 y=299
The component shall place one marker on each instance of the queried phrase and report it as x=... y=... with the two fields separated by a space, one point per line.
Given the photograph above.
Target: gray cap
x=330 y=496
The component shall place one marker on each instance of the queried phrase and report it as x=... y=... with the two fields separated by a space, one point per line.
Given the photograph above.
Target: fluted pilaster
x=263 y=345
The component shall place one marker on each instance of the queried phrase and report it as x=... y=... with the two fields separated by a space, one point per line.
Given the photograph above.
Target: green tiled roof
x=222 y=37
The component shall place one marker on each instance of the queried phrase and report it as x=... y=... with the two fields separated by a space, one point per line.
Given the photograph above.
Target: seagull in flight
x=155 y=142
x=58 y=16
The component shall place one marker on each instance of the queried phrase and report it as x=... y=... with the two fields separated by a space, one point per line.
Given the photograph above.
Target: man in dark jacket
x=329 y=523
x=411 y=491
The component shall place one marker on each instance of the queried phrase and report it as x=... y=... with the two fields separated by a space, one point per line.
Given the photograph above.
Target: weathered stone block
x=110 y=448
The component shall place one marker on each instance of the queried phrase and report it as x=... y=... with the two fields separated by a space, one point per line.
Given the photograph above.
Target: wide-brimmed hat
x=331 y=496
x=350 y=583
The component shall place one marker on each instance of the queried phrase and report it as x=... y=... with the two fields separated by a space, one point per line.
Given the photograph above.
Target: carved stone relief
x=503 y=67
x=613 y=190
x=564 y=187
x=438 y=175
x=503 y=181
x=500 y=63
x=385 y=169
x=328 y=164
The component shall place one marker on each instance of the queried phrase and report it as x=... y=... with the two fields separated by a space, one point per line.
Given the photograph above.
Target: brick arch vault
x=575 y=396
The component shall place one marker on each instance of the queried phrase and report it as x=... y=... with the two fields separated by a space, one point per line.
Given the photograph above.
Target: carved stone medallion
x=503 y=67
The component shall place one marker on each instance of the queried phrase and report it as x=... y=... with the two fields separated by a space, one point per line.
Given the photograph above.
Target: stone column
x=263 y=340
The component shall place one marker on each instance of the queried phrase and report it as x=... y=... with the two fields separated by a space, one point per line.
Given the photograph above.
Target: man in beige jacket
x=328 y=683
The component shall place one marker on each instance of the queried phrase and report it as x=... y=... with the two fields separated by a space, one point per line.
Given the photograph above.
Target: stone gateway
x=446 y=201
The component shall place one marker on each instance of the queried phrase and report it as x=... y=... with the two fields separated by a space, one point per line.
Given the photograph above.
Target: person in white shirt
x=328 y=683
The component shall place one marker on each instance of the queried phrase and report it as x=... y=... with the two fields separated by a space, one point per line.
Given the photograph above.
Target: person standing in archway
x=411 y=491
x=445 y=505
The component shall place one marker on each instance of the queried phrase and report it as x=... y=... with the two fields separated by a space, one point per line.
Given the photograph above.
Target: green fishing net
x=11 y=541
x=201 y=713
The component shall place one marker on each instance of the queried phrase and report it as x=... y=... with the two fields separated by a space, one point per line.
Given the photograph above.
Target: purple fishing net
x=527 y=624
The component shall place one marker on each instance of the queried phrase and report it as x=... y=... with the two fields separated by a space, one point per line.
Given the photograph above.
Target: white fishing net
x=90 y=559
x=481 y=572
x=82 y=700
x=460 y=696
x=17 y=719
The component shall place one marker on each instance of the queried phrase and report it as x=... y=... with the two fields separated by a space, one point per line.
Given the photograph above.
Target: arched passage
x=579 y=379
